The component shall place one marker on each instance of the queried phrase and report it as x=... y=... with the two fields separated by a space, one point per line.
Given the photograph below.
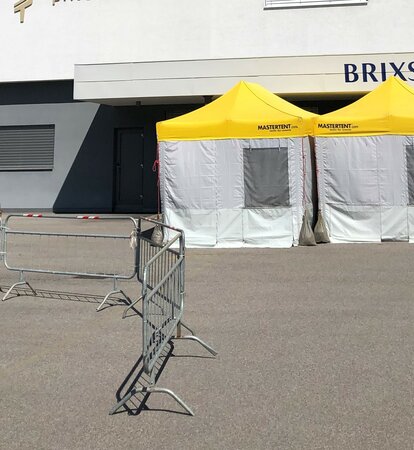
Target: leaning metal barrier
x=161 y=270
x=1 y=237
x=78 y=246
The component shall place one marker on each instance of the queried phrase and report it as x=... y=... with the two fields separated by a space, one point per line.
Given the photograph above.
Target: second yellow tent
x=365 y=162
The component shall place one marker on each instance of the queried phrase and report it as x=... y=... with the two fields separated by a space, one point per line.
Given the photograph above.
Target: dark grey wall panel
x=34 y=189
x=82 y=179
x=89 y=185
x=36 y=92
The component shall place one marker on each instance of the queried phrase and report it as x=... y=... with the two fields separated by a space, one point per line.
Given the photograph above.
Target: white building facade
x=83 y=82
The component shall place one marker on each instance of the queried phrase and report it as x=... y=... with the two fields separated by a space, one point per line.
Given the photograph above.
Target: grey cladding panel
x=409 y=151
x=28 y=147
x=266 y=177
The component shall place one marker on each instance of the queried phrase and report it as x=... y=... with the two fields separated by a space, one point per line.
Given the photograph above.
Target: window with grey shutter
x=29 y=147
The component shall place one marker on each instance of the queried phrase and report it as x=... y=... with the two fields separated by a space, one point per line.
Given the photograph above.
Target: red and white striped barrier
x=88 y=217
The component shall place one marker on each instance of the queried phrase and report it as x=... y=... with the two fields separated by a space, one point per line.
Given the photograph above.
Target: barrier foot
x=117 y=291
x=130 y=306
x=192 y=337
x=171 y=394
x=151 y=390
x=20 y=283
x=201 y=342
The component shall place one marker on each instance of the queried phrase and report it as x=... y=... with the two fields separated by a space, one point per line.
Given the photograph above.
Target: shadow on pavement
x=64 y=296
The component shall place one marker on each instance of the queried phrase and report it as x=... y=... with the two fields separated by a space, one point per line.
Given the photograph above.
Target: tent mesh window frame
x=266 y=177
x=409 y=154
x=276 y=4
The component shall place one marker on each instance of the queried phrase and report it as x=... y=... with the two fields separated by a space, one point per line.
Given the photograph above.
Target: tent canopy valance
x=388 y=109
x=247 y=111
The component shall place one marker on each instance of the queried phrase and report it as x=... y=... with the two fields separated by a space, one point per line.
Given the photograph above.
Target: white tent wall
x=203 y=191
x=409 y=147
x=363 y=187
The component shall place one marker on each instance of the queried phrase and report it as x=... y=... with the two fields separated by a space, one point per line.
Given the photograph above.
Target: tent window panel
x=352 y=187
x=351 y=172
x=266 y=177
x=392 y=179
x=190 y=175
x=409 y=151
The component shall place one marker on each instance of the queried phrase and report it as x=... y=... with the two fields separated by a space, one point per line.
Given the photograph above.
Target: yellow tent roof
x=388 y=109
x=246 y=111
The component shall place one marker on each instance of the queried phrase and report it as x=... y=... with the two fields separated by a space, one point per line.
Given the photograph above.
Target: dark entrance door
x=129 y=170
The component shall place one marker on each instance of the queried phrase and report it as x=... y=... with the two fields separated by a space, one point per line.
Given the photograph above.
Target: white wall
x=54 y=38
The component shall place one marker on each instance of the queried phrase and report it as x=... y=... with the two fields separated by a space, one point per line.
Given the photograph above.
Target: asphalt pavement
x=315 y=352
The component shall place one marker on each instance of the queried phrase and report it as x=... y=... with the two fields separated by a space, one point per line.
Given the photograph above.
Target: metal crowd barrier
x=158 y=264
x=68 y=246
x=161 y=270
x=1 y=237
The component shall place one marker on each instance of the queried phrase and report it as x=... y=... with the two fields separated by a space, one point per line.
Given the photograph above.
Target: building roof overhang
x=192 y=81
